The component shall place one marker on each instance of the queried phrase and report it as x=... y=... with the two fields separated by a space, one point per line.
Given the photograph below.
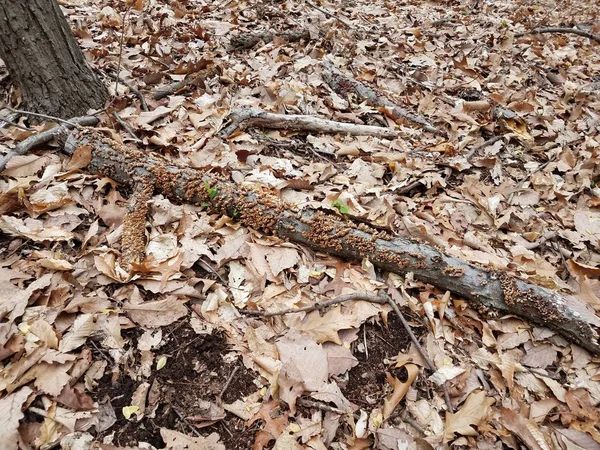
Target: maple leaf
x=473 y=412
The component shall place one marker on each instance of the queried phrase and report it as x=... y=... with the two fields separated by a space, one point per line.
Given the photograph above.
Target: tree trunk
x=44 y=60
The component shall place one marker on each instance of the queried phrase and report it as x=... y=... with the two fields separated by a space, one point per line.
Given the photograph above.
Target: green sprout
x=212 y=192
x=343 y=209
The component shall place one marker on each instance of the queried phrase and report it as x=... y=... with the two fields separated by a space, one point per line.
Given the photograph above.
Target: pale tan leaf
x=156 y=314
x=10 y=414
x=81 y=329
x=178 y=441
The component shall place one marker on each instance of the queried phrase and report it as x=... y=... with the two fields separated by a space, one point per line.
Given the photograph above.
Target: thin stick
x=187 y=422
x=228 y=382
x=14 y=124
x=382 y=300
x=321 y=305
x=485 y=144
x=329 y=14
x=126 y=126
x=42 y=116
x=593 y=37
x=322 y=406
x=121 y=48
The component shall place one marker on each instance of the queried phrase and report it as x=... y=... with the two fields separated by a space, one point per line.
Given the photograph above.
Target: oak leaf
x=473 y=412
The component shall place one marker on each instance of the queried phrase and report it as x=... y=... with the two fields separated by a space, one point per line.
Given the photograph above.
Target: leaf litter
x=91 y=356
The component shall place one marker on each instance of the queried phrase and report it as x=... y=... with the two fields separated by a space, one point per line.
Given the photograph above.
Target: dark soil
x=195 y=370
x=367 y=385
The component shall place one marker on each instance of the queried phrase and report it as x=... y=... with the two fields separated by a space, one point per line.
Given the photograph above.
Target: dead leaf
x=179 y=441
x=400 y=389
x=472 y=413
x=10 y=415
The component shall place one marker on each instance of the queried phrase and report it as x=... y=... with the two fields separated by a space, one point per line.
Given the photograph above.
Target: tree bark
x=489 y=291
x=44 y=60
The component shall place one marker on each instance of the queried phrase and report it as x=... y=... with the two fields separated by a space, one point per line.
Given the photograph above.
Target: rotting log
x=343 y=85
x=496 y=293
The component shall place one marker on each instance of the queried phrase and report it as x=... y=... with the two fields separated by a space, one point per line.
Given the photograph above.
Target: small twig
x=321 y=305
x=524 y=179
x=322 y=406
x=43 y=137
x=14 y=124
x=42 y=116
x=133 y=89
x=126 y=126
x=485 y=144
x=121 y=48
x=169 y=89
x=409 y=187
x=593 y=37
x=329 y=14
x=187 y=422
x=228 y=382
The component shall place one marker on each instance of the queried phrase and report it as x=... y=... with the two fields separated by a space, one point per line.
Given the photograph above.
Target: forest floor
x=167 y=357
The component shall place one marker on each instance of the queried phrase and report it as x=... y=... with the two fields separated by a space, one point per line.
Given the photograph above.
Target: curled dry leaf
x=400 y=389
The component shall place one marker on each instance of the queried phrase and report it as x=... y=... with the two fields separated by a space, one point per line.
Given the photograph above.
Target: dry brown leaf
x=400 y=389
x=472 y=413
x=525 y=429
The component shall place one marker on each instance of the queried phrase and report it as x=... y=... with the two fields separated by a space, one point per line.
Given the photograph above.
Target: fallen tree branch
x=249 y=40
x=343 y=85
x=172 y=88
x=493 y=292
x=43 y=137
x=577 y=31
x=242 y=118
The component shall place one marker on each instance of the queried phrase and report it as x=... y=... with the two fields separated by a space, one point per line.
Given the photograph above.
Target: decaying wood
x=577 y=31
x=42 y=138
x=490 y=291
x=343 y=85
x=249 y=40
x=242 y=118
